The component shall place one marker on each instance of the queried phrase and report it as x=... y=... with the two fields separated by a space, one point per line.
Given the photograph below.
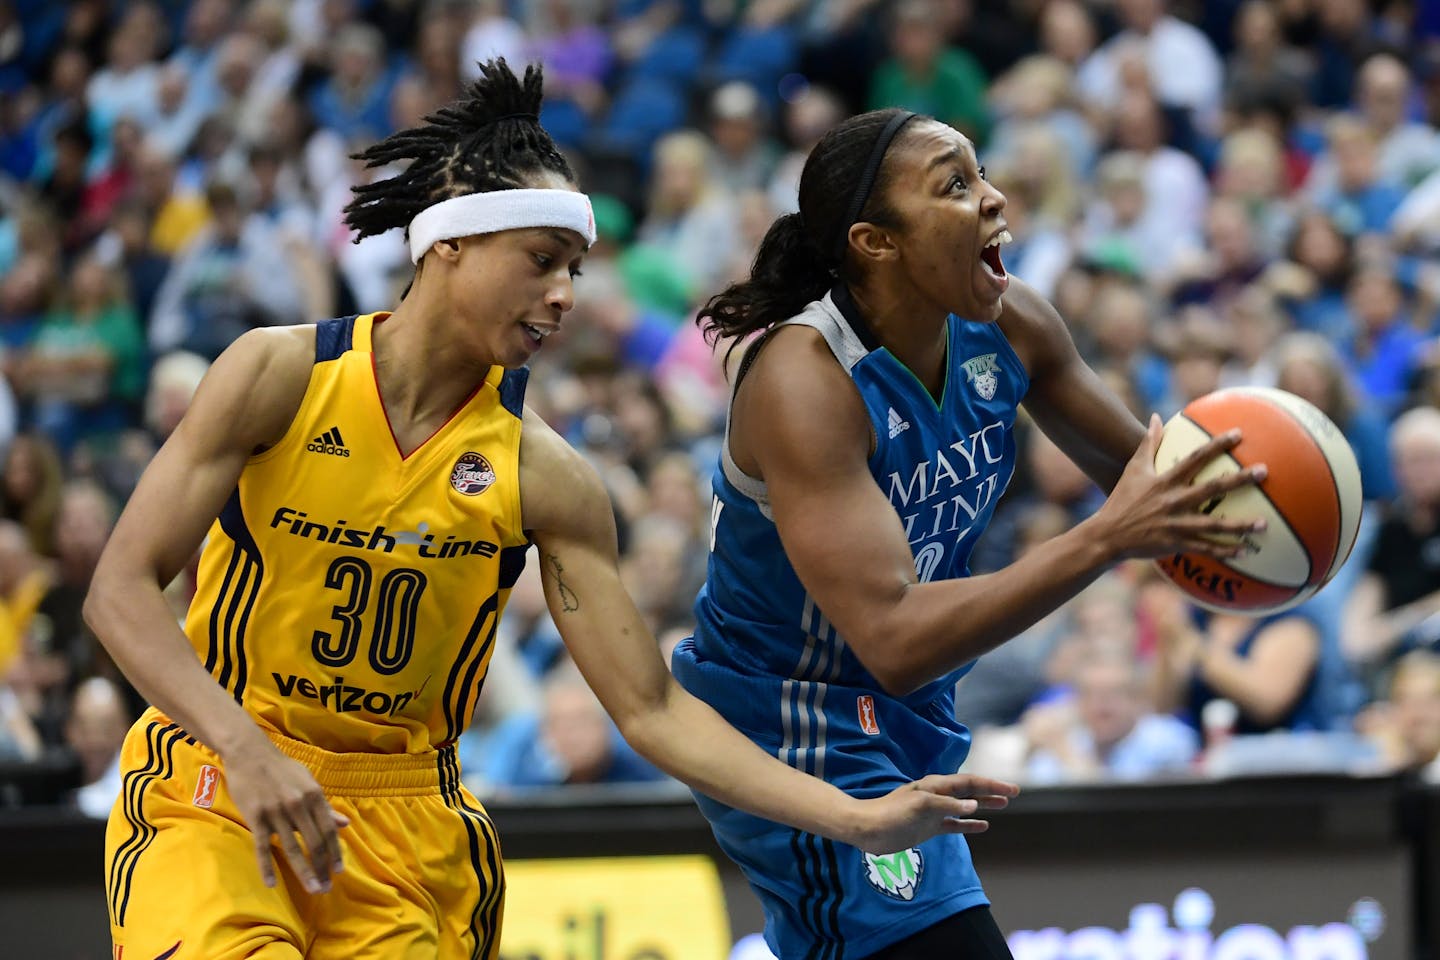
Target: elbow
x=884 y=657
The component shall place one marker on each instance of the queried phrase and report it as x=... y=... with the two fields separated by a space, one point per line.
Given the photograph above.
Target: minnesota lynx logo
x=896 y=875
x=981 y=372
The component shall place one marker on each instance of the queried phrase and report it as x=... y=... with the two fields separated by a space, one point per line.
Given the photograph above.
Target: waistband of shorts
x=428 y=773
x=375 y=774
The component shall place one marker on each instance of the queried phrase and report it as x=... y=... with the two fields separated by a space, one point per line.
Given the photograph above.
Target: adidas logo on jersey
x=898 y=425
x=329 y=442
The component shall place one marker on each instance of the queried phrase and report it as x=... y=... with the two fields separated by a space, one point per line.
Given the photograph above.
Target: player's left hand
x=931 y=805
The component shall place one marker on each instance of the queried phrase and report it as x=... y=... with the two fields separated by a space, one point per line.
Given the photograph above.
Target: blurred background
x=1212 y=193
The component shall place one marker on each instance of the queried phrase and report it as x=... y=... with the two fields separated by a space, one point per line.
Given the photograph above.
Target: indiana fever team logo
x=982 y=372
x=472 y=475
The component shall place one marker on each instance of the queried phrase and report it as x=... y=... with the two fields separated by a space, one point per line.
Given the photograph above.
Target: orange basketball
x=1310 y=499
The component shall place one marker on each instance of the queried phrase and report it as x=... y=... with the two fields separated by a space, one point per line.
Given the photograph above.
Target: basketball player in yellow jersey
x=369 y=487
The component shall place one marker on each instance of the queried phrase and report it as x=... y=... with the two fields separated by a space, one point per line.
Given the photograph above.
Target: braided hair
x=489 y=139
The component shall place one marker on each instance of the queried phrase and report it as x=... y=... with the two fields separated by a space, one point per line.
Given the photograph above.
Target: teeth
x=1002 y=237
x=536 y=332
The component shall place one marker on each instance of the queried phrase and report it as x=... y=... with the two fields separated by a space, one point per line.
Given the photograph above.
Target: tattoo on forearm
x=568 y=601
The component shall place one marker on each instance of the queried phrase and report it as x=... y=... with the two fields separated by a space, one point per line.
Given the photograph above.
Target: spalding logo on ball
x=1310 y=499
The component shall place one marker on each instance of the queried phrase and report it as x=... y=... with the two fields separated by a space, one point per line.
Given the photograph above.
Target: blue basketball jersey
x=765 y=655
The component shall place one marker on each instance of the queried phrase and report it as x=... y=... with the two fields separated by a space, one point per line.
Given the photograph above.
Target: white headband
x=498 y=210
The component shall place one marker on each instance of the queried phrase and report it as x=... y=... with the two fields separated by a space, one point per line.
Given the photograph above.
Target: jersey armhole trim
x=294 y=430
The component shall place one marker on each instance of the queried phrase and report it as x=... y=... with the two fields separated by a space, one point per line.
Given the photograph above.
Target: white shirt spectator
x=1185 y=71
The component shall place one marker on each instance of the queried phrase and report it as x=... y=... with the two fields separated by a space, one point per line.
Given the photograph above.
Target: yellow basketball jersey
x=348 y=597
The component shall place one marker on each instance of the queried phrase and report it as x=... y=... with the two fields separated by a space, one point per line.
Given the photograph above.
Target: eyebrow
x=566 y=241
x=949 y=155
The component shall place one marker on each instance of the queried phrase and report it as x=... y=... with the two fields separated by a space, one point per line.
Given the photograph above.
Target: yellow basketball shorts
x=422 y=877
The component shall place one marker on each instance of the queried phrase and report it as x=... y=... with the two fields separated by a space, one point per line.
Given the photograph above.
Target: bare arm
x=1067 y=400
x=1266 y=684
x=570 y=517
x=1370 y=631
x=245 y=402
x=799 y=420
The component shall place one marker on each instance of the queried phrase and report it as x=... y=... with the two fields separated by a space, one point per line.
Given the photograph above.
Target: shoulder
x=797 y=395
x=257 y=384
x=559 y=490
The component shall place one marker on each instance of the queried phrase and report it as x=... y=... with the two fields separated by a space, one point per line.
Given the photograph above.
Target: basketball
x=1310 y=499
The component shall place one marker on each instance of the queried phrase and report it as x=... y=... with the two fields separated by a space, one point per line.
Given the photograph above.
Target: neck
x=422 y=376
x=913 y=331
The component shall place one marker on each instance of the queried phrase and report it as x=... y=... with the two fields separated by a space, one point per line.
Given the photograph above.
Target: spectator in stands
x=1386 y=346
x=128 y=86
x=1265 y=666
x=1215 y=274
x=98 y=721
x=30 y=486
x=744 y=155
x=1183 y=68
x=235 y=276
x=1309 y=366
x=1406 y=152
x=1262 y=63
x=926 y=76
x=1359 y=200
x=1036 y=93
x=1251 y=172
x=1041 y=250
x=806 y=120
x=1106 y=730
x=176 y=215
x=1311 y=281
x=82 y=526
x=691 y=215
x=85 y=370
x=568 y=741
x=207 y=22
x=354 y=100
x=1198 y=346
x=1176 y=191
x=1255 y=322
x=1405 y=727
x=1396 y=603
x=24 y=578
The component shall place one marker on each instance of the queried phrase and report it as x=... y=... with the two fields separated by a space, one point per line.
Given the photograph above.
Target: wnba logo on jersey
x=205 y=786
x=865 y=707
x=472 y=474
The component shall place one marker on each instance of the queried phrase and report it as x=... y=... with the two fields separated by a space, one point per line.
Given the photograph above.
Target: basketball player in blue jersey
x=366 y=489
x=870 y=435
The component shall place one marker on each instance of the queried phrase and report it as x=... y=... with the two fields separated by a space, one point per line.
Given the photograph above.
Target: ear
x=873 y=243
x=447 y=249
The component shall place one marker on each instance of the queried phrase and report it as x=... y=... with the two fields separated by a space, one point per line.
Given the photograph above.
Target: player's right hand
x=932 y=805
x=278 y=797
x=1151 y=514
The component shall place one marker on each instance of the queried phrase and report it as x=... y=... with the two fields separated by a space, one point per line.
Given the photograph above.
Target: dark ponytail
x=789 y=271
x=802 y=255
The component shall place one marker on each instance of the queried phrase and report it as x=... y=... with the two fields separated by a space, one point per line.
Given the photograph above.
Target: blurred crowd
x=1213 y=194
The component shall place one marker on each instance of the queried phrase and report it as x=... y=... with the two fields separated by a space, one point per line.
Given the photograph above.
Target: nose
x=561 y=295
x=993 y=202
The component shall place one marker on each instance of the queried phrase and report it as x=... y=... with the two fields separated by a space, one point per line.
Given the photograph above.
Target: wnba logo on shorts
x=865 y=706
x=205 y=786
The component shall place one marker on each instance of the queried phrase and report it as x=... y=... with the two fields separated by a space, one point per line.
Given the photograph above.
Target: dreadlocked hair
x=489 y=139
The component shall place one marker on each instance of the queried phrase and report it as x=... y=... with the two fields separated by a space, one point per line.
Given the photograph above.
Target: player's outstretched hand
x=934 y=804
x=1151 y=514
x=279 y=797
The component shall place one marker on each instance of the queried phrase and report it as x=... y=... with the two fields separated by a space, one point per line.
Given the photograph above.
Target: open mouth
x=535 y=334
x=990 y=254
